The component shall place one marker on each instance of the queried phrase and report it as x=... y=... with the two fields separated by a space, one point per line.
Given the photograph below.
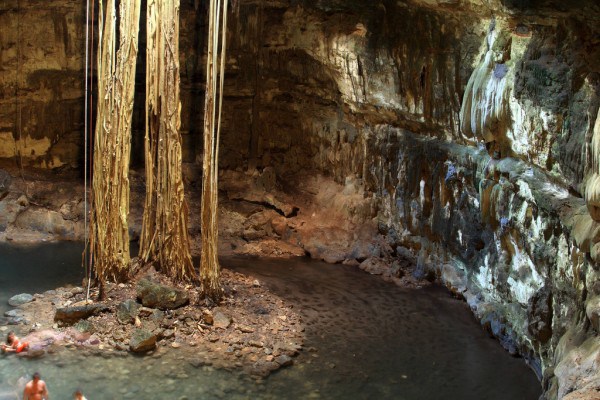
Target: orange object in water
x=19 y=347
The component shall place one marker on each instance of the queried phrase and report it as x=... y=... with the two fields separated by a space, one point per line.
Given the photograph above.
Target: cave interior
x=446 y=141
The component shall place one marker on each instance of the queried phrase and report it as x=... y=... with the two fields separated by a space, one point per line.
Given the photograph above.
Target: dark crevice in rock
x=290 y=214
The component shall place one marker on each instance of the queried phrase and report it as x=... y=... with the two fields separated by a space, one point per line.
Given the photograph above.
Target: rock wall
x=42 y=82
x=42 y=52
x=470 y=125
x=304 y=76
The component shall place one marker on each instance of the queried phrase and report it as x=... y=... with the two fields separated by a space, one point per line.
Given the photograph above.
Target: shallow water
x=37 y=268
x=374 y=341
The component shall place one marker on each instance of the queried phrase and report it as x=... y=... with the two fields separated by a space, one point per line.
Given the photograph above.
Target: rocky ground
x=251 y=330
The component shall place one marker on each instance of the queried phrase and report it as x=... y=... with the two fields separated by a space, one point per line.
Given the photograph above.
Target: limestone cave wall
x=470 y=125
x=42 y=54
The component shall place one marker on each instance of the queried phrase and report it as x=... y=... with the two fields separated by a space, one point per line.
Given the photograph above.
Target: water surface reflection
x=373 y=340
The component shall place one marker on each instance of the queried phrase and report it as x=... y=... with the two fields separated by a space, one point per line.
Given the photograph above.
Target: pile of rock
x=251 y=330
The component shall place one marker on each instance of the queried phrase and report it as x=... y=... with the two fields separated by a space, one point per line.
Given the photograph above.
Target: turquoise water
x=37 y=268
x=374 y=341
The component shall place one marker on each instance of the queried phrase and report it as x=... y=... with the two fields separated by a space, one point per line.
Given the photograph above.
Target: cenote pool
x=374 y=341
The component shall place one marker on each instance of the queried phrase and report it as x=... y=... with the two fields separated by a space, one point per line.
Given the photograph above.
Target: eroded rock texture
x=470 y=132
x=42 y=55
x=461 y=135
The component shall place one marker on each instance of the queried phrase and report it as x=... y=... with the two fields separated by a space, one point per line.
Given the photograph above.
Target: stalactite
x=109 y=240
x=209 y=263
x=485 y=112
x=164 y=237
x=592 y=180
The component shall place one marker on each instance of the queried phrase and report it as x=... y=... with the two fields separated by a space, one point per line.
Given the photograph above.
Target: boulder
x=73 y=210
x=262 y=369
x=375 y=266
x=221 y=320
x=142 y=340
x=364 y=247
x=208 y=317
x=5 y=180
x=156 y=295
x=10 y=208
x=72 y=314
x=284 y=360
x=127 y=311
x=19 y=299
x=46 y=221
x=539 y=312
x=454 y=278
x=77 y=290
x=252 y=234
x=261 y=221
x=245 y=329
x=280 y=226
x=13 y=313
x=33 y=352
x=592 y=310
x=329 y=244
x=289 y=349
x=583 y=394
x=168 y=333
x=84 y=326
x=157 y=316
x=200 y=361
x=578 y=371
x=152 y=327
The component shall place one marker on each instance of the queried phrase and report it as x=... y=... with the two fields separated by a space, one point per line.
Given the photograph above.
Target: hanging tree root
x=164 y=240
x=109 y=238
x=209 y=264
